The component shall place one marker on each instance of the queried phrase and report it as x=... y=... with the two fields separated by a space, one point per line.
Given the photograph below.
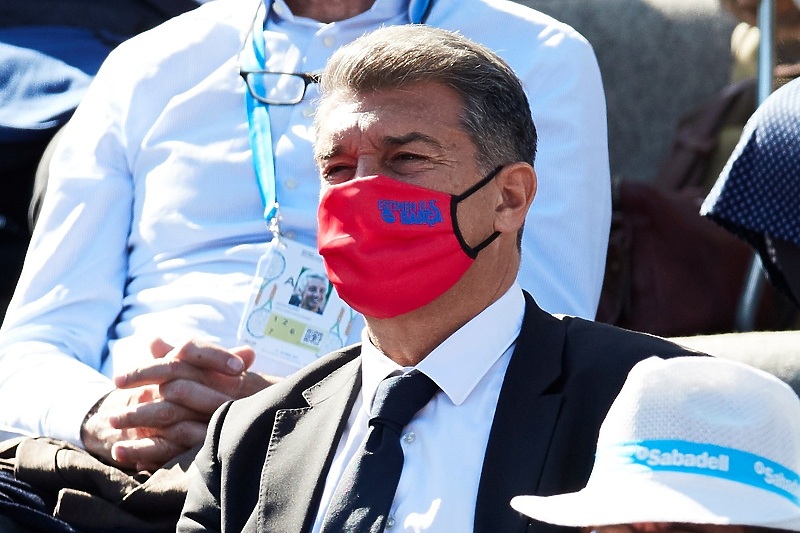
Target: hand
x=162 y=409
x=197 y=375
x=168 y=430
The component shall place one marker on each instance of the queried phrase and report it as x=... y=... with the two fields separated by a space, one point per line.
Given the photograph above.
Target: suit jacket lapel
x=524 y=422
x=300 y=451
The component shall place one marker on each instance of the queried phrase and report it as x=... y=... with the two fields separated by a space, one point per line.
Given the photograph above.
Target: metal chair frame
x=754 y=283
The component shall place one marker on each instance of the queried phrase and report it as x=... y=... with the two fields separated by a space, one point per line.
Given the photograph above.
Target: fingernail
x=235 y=364
x=117 y=454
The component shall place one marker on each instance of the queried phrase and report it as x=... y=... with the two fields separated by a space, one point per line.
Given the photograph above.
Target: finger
x=187 y=434
x=160 y=371
x=195 y=360
x=159 y=414
x=196 y=396
x=146 y=454
x=191 y=361
x=246 y=354
x=212 y=357
x=154 y=451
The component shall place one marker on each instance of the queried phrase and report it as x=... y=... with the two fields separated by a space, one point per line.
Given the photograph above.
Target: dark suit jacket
x=266 y=457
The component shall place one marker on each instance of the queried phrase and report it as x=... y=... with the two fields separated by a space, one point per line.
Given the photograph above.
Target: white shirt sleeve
x=566 y=232
x=70 y=291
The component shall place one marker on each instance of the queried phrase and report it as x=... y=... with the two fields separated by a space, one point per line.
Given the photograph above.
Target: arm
x=71 y=287
x=77 y=316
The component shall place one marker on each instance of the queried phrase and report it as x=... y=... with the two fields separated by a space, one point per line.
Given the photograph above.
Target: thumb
x=246 y=354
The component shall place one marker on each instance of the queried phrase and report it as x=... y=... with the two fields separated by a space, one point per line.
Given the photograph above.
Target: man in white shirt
x=153 y=223
x=426 y=148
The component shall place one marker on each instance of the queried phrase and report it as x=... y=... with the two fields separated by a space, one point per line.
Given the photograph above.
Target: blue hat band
x=715 y=461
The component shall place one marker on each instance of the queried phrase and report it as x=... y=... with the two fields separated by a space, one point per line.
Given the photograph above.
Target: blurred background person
x=757 y=195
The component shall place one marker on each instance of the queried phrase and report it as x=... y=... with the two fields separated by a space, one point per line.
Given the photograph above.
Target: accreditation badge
x=294 y=315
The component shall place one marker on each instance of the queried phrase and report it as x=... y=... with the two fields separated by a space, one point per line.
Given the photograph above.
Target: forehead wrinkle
x=331 y=111
x=347 y=118
x=350 y=115
x=414 y=136
x=326 y=154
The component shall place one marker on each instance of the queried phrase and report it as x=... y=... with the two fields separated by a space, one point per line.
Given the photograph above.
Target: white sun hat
x=690 y=440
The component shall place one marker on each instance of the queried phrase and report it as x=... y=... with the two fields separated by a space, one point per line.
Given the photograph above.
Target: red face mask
x=391 y=247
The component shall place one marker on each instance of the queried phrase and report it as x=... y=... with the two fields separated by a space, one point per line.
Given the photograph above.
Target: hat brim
x=663 y=497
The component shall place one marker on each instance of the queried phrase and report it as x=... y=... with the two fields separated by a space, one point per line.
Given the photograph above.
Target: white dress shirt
x=444 y=444
x=152 y=223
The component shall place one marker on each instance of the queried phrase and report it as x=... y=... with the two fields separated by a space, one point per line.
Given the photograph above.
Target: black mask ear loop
x=472 y=252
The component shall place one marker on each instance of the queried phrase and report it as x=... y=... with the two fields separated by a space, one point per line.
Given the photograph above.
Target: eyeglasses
x=278 y=88
x=274 y=88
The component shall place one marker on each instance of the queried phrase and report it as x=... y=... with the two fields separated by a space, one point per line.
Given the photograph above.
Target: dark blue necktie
x=365 y=493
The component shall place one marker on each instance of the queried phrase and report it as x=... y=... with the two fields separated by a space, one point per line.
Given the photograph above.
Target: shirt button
x=291 y=183
x=389 y=523
x=410 y=437
x=329 y=41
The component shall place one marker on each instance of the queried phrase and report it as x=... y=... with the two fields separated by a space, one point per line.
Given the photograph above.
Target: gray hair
x=307 y=276
x=495 y=111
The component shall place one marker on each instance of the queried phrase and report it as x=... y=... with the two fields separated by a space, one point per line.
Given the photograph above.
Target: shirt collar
x=473 y=349
x=381 y=11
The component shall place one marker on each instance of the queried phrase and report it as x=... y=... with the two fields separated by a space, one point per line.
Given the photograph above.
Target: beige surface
x=777 y=352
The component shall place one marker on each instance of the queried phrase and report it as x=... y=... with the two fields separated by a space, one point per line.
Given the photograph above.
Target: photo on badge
x=311 y=291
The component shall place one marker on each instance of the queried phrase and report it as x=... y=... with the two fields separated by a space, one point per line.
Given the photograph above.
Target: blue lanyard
x=258 y=114
x=258 y=121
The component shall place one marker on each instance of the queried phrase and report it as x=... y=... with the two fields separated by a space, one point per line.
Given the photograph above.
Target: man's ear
x=517 y=184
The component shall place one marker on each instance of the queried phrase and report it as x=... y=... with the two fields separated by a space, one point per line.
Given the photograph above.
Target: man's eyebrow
x=414 y=136
x=325 y=153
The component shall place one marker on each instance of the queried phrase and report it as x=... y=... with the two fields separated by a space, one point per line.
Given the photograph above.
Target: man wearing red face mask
x=463 y=392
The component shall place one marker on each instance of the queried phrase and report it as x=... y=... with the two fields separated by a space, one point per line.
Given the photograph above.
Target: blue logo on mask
x=410 y=213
